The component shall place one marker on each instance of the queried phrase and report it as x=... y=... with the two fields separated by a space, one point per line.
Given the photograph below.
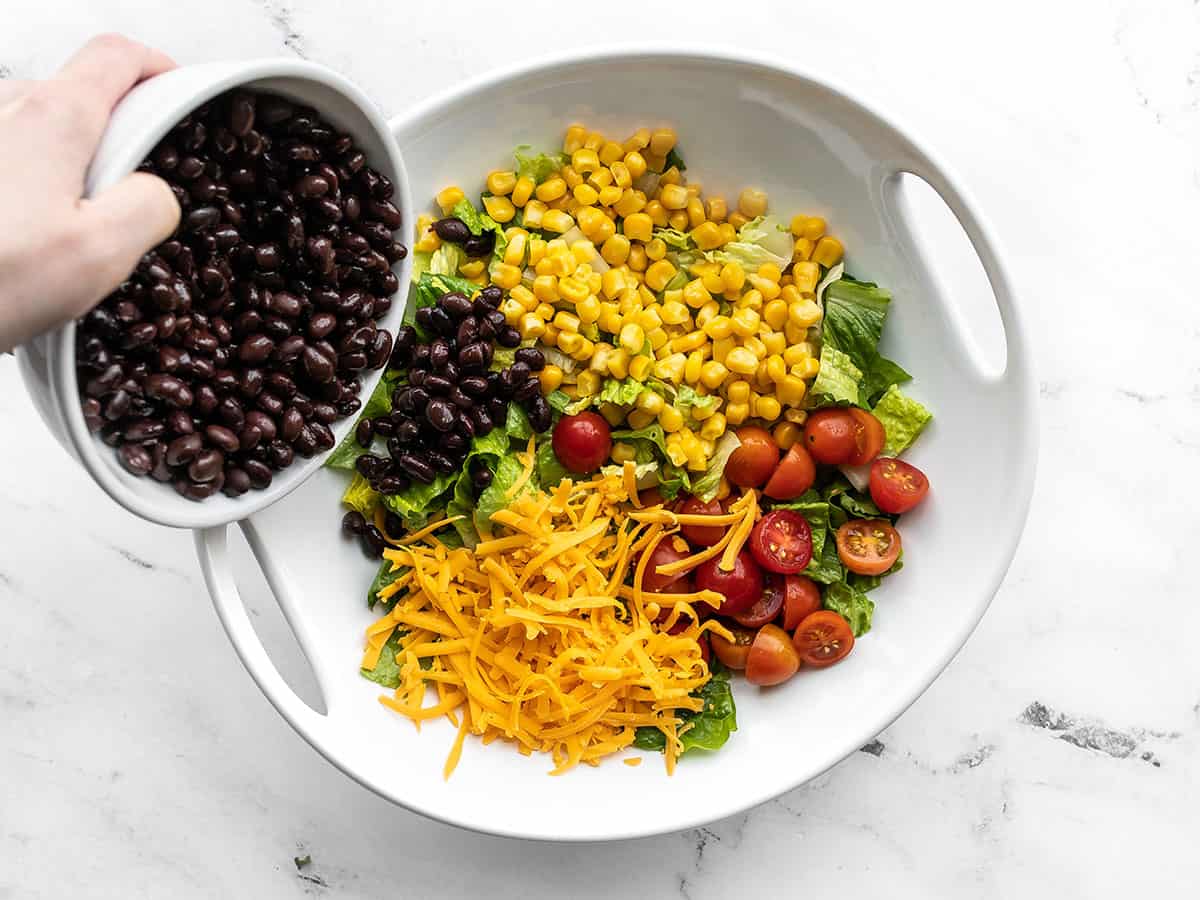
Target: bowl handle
x=984 y=243
x=212 y=548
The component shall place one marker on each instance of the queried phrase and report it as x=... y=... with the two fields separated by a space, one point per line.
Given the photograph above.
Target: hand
x=61 y=254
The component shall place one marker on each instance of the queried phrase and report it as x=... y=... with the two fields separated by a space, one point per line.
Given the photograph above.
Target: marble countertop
x=1059 y=755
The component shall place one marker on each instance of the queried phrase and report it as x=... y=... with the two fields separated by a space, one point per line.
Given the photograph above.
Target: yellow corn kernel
x=635 y=165
x=632 y=337
x=809 y=368
x=737 y=413
x=673 y=196
x=657 y=338
x=574 y=138
x=706 y=313
x=506 y=277
x=584 y=253
x=713 y=427
x=622 y=453
x=669 y=369
x=670 y=418
x=605 y=229
x=609 y=195
x=594 y=141
x=522 y=191
x=802 y=249
x=770 y=272
x=794 y=333
x=585 y=161
x=588 y=309
x=450 y=197
x=570 y=176
x=550 y=377
x=524 y=296
x=535 y=211
x=695 y=212
x=512 y=311
x=686 y=343
x=736 y=220
x=741 y=361
x=755 y=346
x=695 y=294
x=775 y=313
x=545 y=287
x=776 y=368
x=569 y=342
x=621 y=175
x=537 y=251
x=649 y=318
x=608 y=360
x=564 y=321
x=767 y=407
x=721 y=348
x=804 y=314
x=678 y=220
x=805 y=275
x=501 y=182
x=472 y=269
x=612 y=283
x=828 y=252
x=637 y=261
x=797 y=225
x=752 y=202
x=654 y=162
x=691 y=369
x=716 y=210
x=637 y=419
x=531 y=326
x=589 y=218
x=638 y=227
x=790 y=390
x=662 y=141
x=762 y=380
x=514 y=253
x=718 y=327
x=765 y=287
x=738 y=392
x=600 y=179
x=814 y=228
x=786 y=434
x=550 y=336
x=610 y=152
x=639 y=140
x=557 y=221
x=713 y=374
x=752 y=299
x=651 y=402
x=733 y=277
x=745 y=322
x=550 y=189
x=640 y=368
x=671 y=176
x=707 y=236
x=674 y=312
x=585 y=194
x=658 y=214
x=774 y=341
x=615 y=251
x=658 y=274
x=587 y=382
x=630 y=204
x=795 y=416
x=544 y=311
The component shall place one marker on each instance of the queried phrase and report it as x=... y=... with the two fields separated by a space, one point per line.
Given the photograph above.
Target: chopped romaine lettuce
x=649 y=442
x=688 y=401
x=555 y=357
x=672 y=479
x=550 y=471
x=826 y=568
x=415 y=502
x=420 y=263
x=855 y=312
x=380 y=402
x=494 y=497
x=851 y=604
x=621 y=392
x=361 y=496
x=385 y=576
x=674 y=238
x=386 y=671
x=761 y=240
x=903 y=419
x=517 y=424
x=558 y=400
x=537 y=166
x=837 y=381
x=446 y=259
x=674 y=159
x=705 y=487
x=709 y=728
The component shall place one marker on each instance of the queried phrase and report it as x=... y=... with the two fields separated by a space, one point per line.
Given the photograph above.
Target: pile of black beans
x=451 y=394
x=237 y=342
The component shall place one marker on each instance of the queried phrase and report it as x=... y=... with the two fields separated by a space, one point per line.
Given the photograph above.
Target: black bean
x=440 y=321
x=117 y=405
x=437 y=385
x=237 y=482
x=317 y=365
x=136 y=459
x=373 y=542
x=455 y=304
x=480 y=244
x=465 y=427
x=142 y=430
x=482 y=421
x=468 y=332
x=419 y=397
x=407 y=432
x=222 y=438
x=206 y=466
x=353 y=522
x=290 y=424
x=481 y=478
x=259 y=472
x=508 y=337
x=179 y=422
x=540 y=416
x=459 y=399
x=517 y=373
x=474 y=385
x=440 y=462
x=263 y=422
x=279 y=454
x=306 y=442
x=321 y=324
x=249 y=438
x=451 y=229
x=528 y=390
x=532 y=357
x=473 y=357
x=497 y=409
x=325 y=413
x=380 y=350
x=416 y=468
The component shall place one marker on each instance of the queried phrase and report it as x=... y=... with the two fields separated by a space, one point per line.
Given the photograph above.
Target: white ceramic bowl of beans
x=815 y=149
x=140 y=121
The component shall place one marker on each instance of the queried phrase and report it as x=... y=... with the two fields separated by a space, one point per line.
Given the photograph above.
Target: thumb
x=132 y=216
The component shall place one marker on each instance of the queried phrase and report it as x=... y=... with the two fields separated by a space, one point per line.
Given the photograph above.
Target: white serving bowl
x=147 y=113
x=815 y=149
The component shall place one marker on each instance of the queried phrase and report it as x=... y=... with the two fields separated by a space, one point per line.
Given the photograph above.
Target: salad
x=631 y=442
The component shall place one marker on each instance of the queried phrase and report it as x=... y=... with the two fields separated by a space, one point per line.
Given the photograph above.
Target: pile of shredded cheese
x=534 y=636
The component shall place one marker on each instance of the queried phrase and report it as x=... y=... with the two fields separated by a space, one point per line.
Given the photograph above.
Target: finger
x=102 y=72
x=10 y=90
x=129 y=218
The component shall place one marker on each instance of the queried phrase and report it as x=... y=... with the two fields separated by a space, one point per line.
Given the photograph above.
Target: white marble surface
x=137 y=759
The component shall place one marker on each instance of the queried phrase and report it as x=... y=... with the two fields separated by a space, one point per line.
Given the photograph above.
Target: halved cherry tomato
x=766 y=608
x=733 y=653
x=650 y=497
x=823 y=638
x=740 y=587
x=582 y=442
x=751 y=464
x=793 y=476
x=869 y=437
x=830 y=435
x=668 y=550
x=801 y=597
x=868 y=546
x=703 y=535
x=773 y=658
x=782 y=542
x=897 y=486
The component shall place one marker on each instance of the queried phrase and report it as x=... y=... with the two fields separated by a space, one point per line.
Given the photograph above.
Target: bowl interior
x=816 y=152
x=139 y=123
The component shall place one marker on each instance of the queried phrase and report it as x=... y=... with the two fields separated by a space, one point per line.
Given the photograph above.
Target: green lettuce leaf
x=361 y=496
x=489 y=448
x=537 y=166
x=550 y=471
x=866 y=583
x=672 y=479
x=650 y=443
x=826 y=568
x=383 y=578
x=446 y=259
x=674 y=159
x=623 y=393
x=903 y=419
x=709 y=728
x=675 y=239
x=478 y=223
x=386 y=671
x=517 y=425
x=837 y=381
x=687 y=400
x=855 y=313
x=493 y=498
x=851 y=604
x=857 y=505
x=764 y=239
x=558 y=401
x=418 y=500
x=705 y=487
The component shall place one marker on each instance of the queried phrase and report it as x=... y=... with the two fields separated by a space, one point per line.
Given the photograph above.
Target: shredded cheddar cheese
x=536 y=638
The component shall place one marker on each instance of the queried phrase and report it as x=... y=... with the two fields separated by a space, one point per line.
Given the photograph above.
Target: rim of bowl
x=171 y=509
x=1023 y=386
